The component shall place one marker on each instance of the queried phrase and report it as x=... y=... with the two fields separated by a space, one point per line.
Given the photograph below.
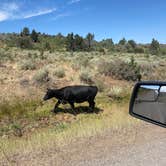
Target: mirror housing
x=148 y=102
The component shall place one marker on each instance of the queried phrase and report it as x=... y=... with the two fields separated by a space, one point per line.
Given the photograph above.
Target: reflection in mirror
x=148 y=92
x=150 y=102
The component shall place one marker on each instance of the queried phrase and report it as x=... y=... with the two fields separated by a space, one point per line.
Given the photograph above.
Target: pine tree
x=90 y=38
x=154 y=47
x=122 y=41
x=25 y=32
x=70 y=42
x=34 y=36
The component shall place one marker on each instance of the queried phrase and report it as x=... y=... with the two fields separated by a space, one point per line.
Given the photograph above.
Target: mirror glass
x=162 y=96
x=150 y=103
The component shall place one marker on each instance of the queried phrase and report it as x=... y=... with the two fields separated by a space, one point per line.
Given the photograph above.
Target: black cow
x=73 y=94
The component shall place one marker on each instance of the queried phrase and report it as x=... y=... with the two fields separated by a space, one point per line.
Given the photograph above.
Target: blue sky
x=140 y=20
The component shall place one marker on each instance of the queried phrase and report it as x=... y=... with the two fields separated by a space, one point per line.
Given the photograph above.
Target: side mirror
x=148 y=102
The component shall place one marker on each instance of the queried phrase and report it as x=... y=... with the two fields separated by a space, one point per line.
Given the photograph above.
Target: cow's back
x=80 y=93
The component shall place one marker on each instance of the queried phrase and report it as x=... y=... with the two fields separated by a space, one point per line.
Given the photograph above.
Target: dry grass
x=118 y=92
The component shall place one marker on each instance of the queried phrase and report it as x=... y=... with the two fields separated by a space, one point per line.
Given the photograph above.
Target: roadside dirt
x=141 y=145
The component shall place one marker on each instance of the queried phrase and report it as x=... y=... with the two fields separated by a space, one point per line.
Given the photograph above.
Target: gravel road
x=141 y=146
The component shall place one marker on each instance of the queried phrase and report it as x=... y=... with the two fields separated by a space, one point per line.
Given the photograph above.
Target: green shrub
x=118 y=93
x=163 y=50
x=102 y=51
x=24 y=42
x=27 y=65
x=60 y=73
x=104 y=67
x=119 y=69
x=85 y=77
x=75 y=66
x=41 y=76
x=32 y=55
x=80 y=61
x=17 y=129
x=148 y=70
x=115 y=92
x=139 y=49
x=16 y=108
x=5 y=56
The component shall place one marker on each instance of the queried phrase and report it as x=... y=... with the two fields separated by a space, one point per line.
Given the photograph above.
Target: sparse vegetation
x=112 y=71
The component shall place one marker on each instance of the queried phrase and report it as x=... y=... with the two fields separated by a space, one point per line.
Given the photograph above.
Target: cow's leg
x=91 y=105
x=56 y=106
x=72 y=107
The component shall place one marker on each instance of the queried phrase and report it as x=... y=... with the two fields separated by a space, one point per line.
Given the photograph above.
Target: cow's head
x=49 y=94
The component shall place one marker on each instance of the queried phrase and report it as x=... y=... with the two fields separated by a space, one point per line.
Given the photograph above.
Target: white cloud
x=3 y=16
x=7 y=10
x=40 y=12
x=10 y=6
x=61 y=16
x=73 y=1
x=14 y=11
x=11 y=11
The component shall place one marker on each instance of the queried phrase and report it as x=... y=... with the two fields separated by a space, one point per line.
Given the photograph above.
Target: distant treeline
x=74 y=42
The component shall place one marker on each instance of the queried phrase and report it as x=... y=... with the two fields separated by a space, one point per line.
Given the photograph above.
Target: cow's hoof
x=53 y=111
x=91 y=110
x=74 y=113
